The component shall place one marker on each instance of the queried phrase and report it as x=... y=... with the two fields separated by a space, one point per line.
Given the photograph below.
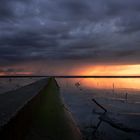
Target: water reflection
x=103 y=83
x=119 y=83
x=120 y=97
x=8 y=84
x=110 y=88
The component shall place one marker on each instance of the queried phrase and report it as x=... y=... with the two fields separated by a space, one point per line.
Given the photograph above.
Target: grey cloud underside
x=105 y=31
x=11 y=70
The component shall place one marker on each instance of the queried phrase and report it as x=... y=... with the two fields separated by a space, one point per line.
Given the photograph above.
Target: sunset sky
x=64 y=37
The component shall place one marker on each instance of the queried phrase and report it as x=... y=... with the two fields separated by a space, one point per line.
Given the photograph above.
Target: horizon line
x=70 y=76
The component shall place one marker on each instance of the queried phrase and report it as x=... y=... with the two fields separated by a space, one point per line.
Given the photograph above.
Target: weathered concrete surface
x=16 y=110
x=43 y=117
x=11 y=102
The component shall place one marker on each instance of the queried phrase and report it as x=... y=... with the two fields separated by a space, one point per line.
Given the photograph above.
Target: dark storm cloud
x=9 y=70
x=89 y=30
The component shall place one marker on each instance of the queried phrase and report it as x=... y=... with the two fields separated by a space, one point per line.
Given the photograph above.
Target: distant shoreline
x=65 y=76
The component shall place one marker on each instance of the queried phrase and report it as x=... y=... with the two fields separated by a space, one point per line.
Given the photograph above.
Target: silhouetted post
x=113 y=88
x=126 y=96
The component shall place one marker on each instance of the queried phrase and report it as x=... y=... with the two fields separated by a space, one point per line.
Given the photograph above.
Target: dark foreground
x=36 y=112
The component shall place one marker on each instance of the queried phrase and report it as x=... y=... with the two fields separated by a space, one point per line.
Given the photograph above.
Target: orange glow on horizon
x=114 y=70
x=111 y=70
x=2 y=73
x=15 y=73
x=100 y=70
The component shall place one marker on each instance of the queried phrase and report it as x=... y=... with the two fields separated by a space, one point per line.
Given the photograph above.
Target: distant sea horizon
x=72 y=76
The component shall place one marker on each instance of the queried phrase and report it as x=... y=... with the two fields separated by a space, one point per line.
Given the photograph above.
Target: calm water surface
x=120 y=96
x=8 y=84
x=109 y=87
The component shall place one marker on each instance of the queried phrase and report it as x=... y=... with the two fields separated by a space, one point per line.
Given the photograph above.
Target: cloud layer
x=95 y=31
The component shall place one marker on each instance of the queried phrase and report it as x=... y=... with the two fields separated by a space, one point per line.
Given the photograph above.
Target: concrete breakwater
x=36 y=112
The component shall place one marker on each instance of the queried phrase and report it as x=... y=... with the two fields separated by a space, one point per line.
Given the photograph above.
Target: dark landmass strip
x=67 y=76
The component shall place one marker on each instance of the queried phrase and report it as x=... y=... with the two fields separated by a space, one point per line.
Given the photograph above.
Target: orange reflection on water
x=106 y=83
